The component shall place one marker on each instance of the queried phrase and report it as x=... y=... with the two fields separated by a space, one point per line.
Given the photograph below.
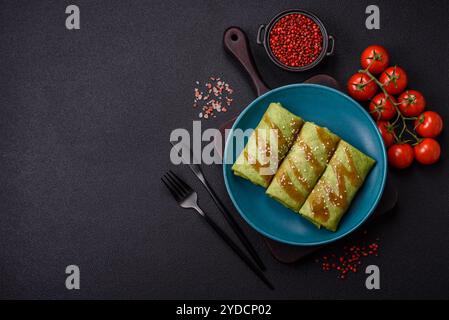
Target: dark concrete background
x=85 y=118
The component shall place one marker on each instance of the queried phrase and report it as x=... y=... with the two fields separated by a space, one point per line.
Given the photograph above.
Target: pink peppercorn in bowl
x=296 y=40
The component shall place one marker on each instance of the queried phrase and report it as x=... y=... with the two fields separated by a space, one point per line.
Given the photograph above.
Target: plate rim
x=274 y=237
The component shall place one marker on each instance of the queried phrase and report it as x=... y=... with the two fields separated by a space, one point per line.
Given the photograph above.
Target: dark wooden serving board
x=236 y=43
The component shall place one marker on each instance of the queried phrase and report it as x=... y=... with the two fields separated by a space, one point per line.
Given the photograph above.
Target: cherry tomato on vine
x=387 y=132
x=375 y=58
x=400 y=155
x=361 y=87
x=429 y=124
x=412 y=103
x=394 y=80
x=381 y=108
x=427 y=151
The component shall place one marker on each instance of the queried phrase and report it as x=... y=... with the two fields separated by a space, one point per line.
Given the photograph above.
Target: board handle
x=235 y=42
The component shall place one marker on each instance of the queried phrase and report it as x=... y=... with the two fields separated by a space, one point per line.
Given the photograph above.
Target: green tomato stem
x=399 y=115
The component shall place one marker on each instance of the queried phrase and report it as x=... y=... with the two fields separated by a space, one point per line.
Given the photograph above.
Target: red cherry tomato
x=429 y=124
x=400 y=155
x=394 y=80
x=428 y=151
x=361 y=87
x=375 y=58
x=387 y=132
x=381 y=108
x=412 y=103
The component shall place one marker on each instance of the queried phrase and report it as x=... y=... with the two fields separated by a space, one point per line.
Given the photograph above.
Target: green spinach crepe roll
x=303 y=166
x=332 y=195
x=255 y=162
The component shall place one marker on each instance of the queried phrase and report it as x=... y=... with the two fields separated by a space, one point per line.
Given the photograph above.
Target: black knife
x=196 y=169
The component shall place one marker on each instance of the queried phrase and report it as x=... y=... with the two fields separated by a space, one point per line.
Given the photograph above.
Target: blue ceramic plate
x=342 y=115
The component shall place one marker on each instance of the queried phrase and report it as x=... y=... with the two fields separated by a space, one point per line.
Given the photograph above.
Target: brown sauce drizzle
x=316 y=165
x=338 y=198
x=326 y=140
x=319 y=209
x=310 y=157
x=282 y=141
x=287 y=185
x=283 y=144
x=256 y=164
x=264 y=145
x=303 y=181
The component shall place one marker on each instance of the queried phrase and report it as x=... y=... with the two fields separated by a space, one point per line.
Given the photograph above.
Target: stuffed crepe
x=255 y=161
x=332 y=195
x=303 y=166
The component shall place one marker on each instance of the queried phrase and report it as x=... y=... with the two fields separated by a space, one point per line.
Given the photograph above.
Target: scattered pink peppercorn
x=350 y=260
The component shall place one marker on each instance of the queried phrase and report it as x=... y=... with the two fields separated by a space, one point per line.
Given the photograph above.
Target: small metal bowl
x=264 y=31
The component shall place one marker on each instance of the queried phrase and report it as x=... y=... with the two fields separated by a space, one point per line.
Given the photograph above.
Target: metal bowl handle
x=331 y=47
x=260 y=34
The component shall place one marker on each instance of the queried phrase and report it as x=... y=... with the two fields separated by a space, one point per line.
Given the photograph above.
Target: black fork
x=187 y=198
